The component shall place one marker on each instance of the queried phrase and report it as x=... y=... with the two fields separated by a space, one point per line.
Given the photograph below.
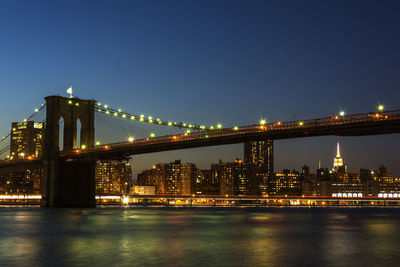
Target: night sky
x=212 y=61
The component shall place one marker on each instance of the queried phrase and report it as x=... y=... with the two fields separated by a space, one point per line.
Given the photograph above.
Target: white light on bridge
x=131 y=139
x=262 y=122
x=380 y=107
x=341 y=113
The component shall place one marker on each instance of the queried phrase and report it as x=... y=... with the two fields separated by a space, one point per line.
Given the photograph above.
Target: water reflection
x=199 y=237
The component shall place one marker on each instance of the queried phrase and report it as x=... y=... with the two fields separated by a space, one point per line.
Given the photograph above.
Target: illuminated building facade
x=112 y=177
x=338 y=164
x=21 y=182
x=260 y=154
x=238 y=178
x=26 y=140
x=287 y=183
x=175 y=178
x=142 y=190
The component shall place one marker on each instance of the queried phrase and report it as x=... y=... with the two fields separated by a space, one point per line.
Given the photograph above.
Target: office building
x=26 y=140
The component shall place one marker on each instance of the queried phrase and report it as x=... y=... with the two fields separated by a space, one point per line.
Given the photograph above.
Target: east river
x=200 y=237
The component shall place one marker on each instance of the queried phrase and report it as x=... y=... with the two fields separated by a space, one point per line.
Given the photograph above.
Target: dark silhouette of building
x=260 y=154
x=239 y=178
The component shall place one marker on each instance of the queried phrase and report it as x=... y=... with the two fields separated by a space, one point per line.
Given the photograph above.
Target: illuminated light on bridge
x=341 y=113
x=380 y=107
x=131 y=139
x=263 y=121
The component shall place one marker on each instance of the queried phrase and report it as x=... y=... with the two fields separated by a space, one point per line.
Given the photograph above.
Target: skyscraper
x=261 y=154
x=26 y=139
x=338 y=164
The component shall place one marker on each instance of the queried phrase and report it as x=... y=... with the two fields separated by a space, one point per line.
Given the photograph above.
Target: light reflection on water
x=199 y=237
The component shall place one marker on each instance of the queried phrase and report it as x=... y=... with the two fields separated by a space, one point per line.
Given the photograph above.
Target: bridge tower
x=68 y=183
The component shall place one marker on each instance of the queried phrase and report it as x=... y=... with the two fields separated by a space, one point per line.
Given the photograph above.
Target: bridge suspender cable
x=141 y=118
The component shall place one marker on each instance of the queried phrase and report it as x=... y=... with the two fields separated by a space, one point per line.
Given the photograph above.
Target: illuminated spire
x=319 y=164
x=338 y=150
x=338 y=161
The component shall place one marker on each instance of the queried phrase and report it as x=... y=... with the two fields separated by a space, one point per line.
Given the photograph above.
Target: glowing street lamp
x=263 y=121
x=341 y=113
x=380 y=107
x=131 y=139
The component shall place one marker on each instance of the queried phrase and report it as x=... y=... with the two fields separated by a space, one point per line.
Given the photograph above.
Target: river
x=199 y=237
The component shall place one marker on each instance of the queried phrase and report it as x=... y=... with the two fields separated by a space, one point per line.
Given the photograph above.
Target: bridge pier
x=68 y=184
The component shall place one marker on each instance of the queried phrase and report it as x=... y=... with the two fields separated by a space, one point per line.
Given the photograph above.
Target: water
x=199 y=237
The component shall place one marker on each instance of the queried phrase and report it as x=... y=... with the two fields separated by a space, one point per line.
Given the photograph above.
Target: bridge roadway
x=349 y=125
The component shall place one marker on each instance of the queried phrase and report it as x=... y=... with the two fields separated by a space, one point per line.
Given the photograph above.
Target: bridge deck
x=350 y=125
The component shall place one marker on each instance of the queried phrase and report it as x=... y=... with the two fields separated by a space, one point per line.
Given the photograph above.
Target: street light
x=380 y=107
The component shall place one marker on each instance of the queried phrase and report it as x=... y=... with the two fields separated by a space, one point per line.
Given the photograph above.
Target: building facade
x=26 y=140
x=112 y=177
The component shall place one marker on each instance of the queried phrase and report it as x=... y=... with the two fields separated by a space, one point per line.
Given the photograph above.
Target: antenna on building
x=69 y=91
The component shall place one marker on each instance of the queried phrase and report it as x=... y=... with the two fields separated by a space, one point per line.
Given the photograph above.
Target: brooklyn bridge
x=78 y=132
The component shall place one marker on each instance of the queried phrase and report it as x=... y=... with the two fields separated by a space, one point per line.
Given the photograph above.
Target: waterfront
x=199 y=236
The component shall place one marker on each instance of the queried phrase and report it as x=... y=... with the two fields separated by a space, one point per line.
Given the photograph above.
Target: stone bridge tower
x=66 y=182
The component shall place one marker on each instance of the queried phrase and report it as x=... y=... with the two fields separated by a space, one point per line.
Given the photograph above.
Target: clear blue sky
x=208 y=61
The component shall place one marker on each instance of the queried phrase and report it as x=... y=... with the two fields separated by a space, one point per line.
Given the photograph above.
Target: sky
x=232 y=62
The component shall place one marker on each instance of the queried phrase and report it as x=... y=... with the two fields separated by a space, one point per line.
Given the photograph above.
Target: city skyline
x=319 y=164
x=211 y=62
